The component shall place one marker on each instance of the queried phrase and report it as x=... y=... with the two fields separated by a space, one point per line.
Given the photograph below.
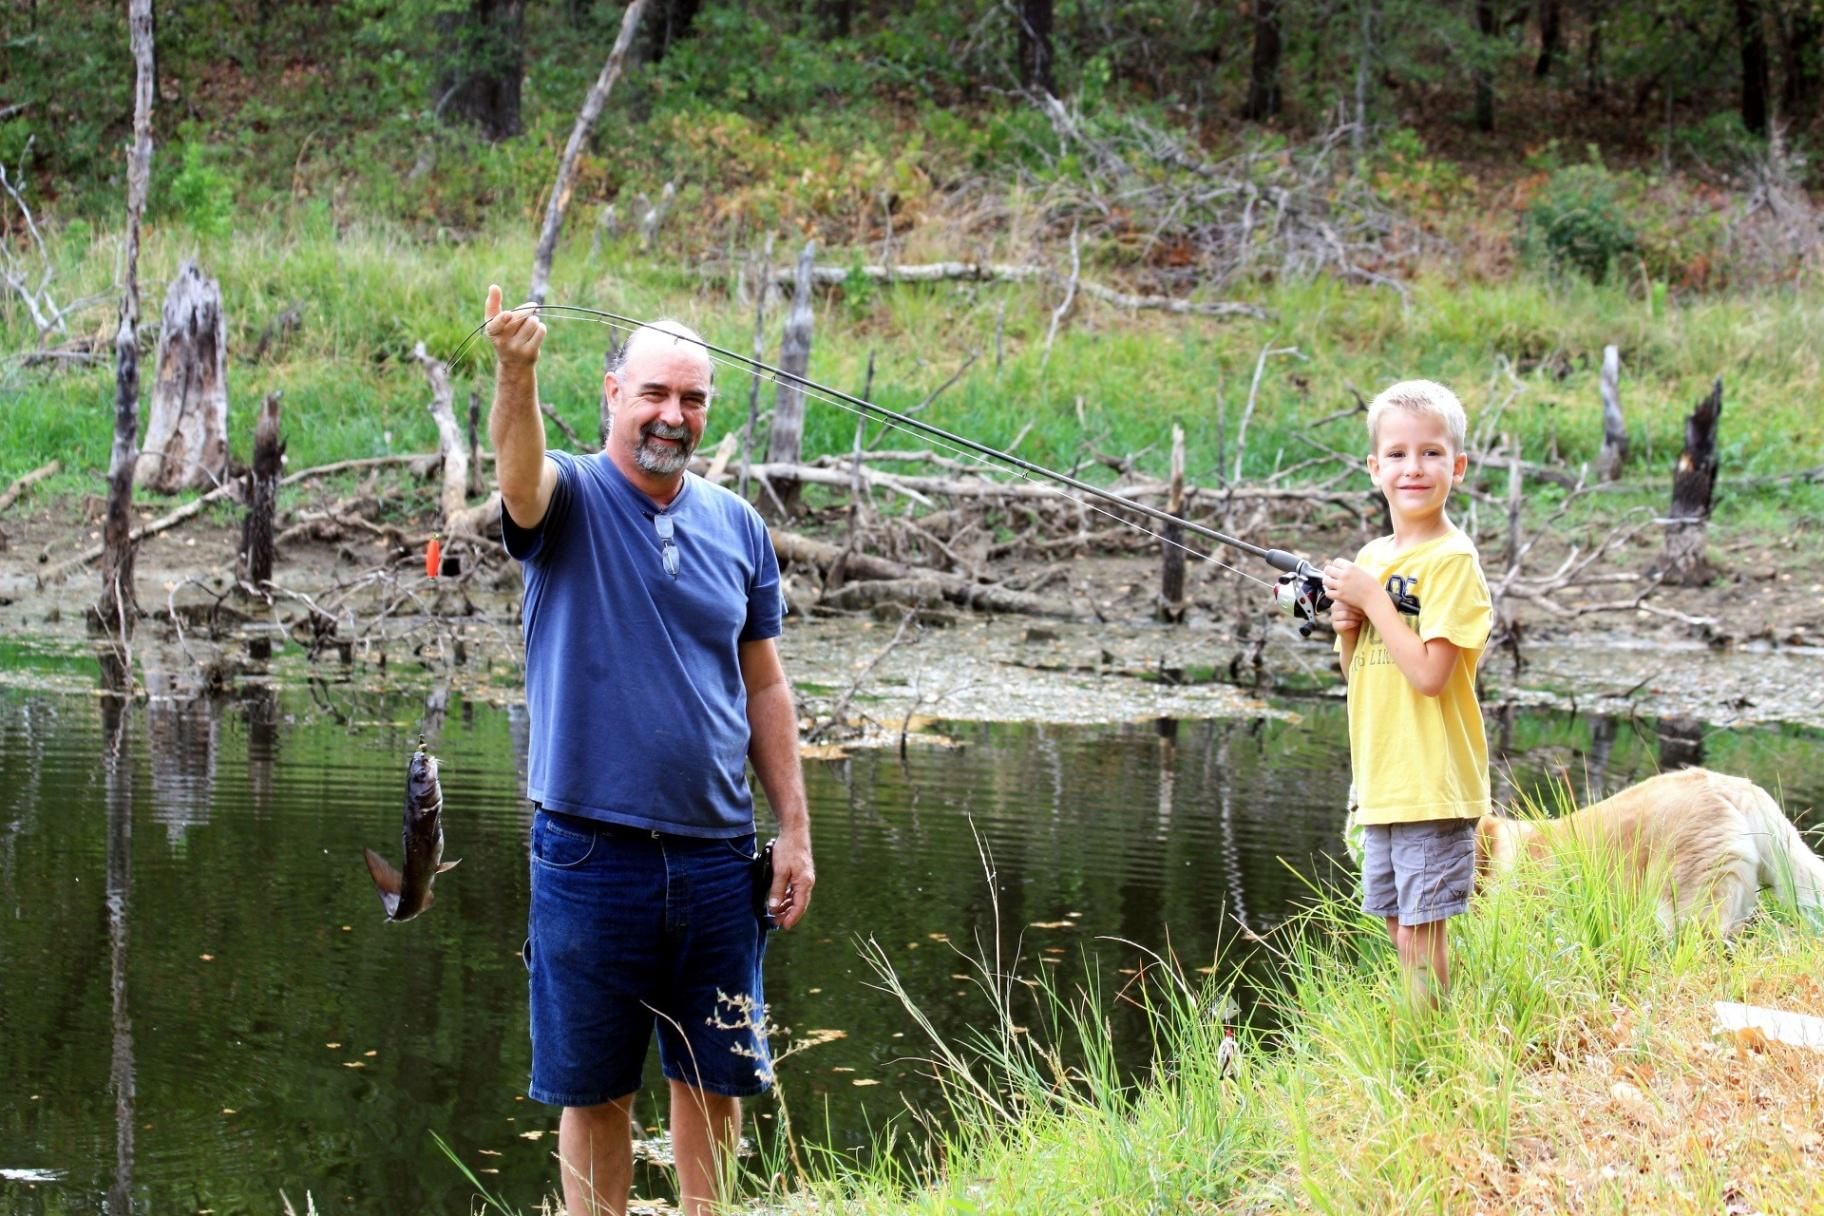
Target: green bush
x=1577 y=223
x=1720 y=142
x=200 y=194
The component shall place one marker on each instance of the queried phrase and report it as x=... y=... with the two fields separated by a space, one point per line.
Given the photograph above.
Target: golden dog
x=1717 y=839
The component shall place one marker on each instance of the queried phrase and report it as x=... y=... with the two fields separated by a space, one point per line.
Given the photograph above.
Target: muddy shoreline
x=1746 y=650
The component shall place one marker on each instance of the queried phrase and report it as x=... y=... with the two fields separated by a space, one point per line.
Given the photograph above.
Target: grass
x=1114 y=382
x=1572 y=1069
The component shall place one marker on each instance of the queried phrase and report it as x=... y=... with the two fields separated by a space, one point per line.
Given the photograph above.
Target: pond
x=203 y=1007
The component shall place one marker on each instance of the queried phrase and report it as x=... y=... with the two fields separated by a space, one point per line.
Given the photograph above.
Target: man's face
x=659 y=402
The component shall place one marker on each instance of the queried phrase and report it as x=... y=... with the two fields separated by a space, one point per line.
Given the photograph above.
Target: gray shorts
x=1420 y=872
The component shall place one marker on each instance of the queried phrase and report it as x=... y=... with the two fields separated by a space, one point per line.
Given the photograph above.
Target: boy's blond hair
x=1425 y=397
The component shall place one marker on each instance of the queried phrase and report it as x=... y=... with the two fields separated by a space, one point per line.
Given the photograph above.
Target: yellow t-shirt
x=1417 y=757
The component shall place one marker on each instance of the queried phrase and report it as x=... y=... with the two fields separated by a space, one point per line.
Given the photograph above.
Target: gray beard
x=662 y=462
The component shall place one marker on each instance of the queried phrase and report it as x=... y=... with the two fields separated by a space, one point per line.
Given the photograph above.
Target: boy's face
x=1414 y=464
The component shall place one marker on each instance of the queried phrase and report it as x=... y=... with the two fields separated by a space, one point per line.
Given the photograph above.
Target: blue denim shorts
x=630 y=929
x=1419 y=872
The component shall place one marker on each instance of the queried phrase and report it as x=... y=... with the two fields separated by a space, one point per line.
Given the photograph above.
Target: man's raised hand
x=516 y=335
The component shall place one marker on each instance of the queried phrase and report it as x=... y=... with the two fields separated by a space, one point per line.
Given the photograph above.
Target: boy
x=1416 y=743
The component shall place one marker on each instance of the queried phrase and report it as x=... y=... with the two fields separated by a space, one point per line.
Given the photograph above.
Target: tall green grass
x=1571 y=1068
x=1113 y=382
x=1566 y=989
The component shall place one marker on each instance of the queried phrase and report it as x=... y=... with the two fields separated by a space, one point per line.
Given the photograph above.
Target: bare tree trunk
x=116 y=608
x=787 y=438
x=1171 y=542
x=1551 y=36
x=1802 y=55
x=763 y=288
x=674 y=24
x=459 y=519
x=1693 y=489
x=837 y=17
x=262 y=494
x=1035 y=46
x=1754 y=65
x=1263 y=69
x=186 y=436
x=487 y=50
x=566 y=165
x=1614 y=433
x=1484 y=73
x=262 y=504
x=1364 y=58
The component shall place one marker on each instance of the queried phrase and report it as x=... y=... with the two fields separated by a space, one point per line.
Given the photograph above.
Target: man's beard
x=662 y=461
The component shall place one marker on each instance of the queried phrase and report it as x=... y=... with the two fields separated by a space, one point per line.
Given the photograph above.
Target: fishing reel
x=1300 y=591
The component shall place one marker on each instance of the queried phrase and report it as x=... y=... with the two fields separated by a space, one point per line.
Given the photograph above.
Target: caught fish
x=406 y=895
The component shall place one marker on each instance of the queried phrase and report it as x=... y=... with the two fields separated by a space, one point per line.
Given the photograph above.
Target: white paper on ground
x=1799 y=1029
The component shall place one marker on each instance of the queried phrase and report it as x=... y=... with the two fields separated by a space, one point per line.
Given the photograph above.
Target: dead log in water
x=896 y=582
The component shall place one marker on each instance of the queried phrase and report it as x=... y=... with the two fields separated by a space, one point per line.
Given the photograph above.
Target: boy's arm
x=1347 y=621
x=1426 y=665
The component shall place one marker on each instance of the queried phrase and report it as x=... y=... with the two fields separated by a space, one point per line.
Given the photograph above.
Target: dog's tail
x=1787 y=863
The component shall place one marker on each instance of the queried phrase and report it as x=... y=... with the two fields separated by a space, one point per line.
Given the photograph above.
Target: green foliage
x=737 y=58
x=1577 y=223
x=200 y=194
x=1409 y=176
x=1720 y=142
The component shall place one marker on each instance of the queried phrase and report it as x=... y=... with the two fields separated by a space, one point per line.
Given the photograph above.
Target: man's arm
x=515 y=426
x=773 y=724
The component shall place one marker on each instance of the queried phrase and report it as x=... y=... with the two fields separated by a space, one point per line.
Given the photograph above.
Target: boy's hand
x=516 y=335
x=1345 y=619
x=1351 y=586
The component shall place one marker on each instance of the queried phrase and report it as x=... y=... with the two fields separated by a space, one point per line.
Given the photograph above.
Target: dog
x=1717 y=839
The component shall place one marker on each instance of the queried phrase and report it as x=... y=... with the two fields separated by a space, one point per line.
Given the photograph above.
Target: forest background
x=1484 y=192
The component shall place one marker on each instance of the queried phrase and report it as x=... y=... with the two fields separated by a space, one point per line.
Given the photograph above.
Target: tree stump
x=262 y=503
x=1170 y=608
x=459 y=519
x=186 y=437
x=1614 y=433
x=262 y=494
x=787 y=436
x=1682 y=564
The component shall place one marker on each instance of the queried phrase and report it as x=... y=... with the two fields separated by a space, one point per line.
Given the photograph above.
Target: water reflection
x=117 y=765
x=182 y=733
x=262 y=1028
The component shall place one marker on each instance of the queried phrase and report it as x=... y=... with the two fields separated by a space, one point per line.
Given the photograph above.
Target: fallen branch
x=229 y=492
x=32 y=478
x=909 y=581
x=1006 y=272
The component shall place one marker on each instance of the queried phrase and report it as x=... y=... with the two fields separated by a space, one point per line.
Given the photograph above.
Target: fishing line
x=958 y=445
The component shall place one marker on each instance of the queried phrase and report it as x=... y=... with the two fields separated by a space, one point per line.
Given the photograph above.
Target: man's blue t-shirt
x=633 y=674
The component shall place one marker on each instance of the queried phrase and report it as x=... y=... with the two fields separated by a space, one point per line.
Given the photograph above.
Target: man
x=652 y=677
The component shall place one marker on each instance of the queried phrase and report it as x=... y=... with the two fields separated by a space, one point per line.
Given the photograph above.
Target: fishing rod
x=1299 y=590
